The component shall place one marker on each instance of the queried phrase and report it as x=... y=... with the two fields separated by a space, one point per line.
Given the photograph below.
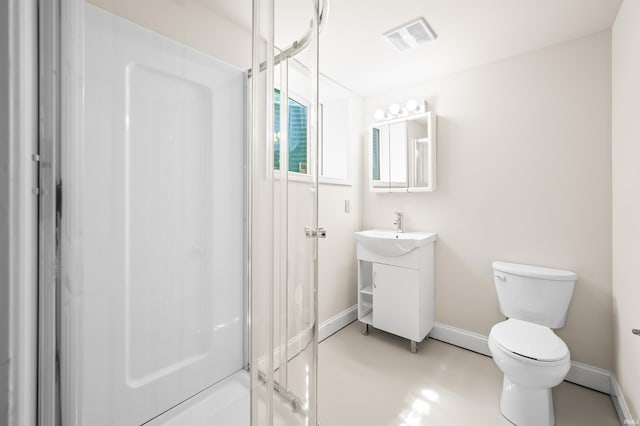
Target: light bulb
x=412 y=105
x=379 y=114
x=394 y=109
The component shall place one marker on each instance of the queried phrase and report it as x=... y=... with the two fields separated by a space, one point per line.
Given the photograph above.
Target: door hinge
x=315 y=233
x=36 y=159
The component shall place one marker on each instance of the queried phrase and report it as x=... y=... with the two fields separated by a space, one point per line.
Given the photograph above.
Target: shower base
x=225 y=403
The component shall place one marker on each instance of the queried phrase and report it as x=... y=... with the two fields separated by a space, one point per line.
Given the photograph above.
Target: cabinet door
x=395 y=300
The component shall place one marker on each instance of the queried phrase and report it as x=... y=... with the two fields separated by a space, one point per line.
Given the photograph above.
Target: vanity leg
x=365 y=329
x=414 y=348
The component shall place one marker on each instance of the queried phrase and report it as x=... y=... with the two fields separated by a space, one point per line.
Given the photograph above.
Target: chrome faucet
x=398 y=222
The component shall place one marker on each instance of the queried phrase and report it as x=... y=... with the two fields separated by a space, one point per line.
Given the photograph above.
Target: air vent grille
x=398 y=42
x=410 y=35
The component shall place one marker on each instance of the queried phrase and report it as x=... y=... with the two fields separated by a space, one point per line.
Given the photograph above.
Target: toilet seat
x=528 y=340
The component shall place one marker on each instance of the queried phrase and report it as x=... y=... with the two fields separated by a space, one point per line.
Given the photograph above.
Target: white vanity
x=396 y=282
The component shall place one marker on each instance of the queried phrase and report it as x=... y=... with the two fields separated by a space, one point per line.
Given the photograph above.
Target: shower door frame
x=49 y=22
x=264 y=59
x=18 y=216
x=52 y=41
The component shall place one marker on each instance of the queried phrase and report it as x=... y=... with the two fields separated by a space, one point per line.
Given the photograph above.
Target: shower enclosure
x=179 y=230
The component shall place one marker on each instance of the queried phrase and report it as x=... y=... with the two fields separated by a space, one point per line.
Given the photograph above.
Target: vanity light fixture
x=380 y=115
x=411 y=107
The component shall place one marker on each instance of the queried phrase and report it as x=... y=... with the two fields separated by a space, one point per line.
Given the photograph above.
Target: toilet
x=524 y=347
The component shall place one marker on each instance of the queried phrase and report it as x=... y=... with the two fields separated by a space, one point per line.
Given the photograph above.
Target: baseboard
x=337 y=322
x=581 y=374
x=590 y=377
x=624 y=414
x=465 y=339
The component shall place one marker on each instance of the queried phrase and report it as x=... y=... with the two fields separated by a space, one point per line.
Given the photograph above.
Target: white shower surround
x=152 y=302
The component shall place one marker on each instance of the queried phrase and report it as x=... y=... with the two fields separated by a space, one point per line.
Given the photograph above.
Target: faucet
x=398 y=221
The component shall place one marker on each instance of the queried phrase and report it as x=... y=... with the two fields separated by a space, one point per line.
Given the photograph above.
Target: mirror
x=389 y=165
x=402 y=154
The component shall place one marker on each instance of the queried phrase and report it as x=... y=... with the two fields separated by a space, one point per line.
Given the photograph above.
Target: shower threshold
x=225 y=403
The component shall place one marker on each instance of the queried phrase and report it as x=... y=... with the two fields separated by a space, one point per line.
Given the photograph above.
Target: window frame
x=308 y=177
x=295 y=176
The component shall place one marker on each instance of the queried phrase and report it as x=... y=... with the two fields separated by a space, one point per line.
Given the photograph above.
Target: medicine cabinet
x=402 y=154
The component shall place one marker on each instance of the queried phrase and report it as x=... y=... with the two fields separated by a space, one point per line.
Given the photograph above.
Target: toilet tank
x=534 y=293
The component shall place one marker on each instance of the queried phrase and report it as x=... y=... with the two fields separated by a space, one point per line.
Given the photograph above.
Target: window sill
x=301 y=177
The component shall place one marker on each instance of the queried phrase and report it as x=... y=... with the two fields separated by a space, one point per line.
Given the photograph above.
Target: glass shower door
x=148 y=201
x=284 y=227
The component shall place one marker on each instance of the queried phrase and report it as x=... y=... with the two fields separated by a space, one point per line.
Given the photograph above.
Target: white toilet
x=531 y=356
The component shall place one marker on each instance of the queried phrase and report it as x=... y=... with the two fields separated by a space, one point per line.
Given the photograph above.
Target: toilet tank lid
x=534 y=271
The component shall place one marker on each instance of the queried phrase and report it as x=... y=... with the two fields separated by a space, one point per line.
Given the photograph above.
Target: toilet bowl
x=524 y=347
x=533 y=360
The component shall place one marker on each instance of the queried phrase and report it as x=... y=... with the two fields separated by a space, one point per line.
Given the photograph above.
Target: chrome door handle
x=635 y=331
x=319 y=232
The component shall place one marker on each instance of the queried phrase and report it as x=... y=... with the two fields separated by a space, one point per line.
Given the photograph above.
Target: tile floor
x=375 y=380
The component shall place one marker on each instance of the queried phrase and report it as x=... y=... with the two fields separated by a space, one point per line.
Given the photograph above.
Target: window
x=297 y=135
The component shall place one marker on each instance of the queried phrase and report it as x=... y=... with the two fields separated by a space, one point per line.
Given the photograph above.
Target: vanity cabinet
x=395 y=300
x=396 y=293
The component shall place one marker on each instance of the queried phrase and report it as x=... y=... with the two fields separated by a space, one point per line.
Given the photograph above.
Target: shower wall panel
x=152 y=261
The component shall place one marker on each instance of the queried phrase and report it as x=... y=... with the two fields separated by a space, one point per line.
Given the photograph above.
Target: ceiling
x=470 y=33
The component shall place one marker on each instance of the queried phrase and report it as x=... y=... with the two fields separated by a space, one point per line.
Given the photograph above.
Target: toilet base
x=525 y=406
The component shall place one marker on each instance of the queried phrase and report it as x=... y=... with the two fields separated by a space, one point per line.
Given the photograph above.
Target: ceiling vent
x=410 y=35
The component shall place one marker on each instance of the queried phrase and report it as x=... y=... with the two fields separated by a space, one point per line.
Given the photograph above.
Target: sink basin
x=390 y=243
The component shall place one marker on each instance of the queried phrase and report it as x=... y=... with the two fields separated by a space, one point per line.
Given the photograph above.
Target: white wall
x=524 y=175
x=626 y=203
x=338 y=273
